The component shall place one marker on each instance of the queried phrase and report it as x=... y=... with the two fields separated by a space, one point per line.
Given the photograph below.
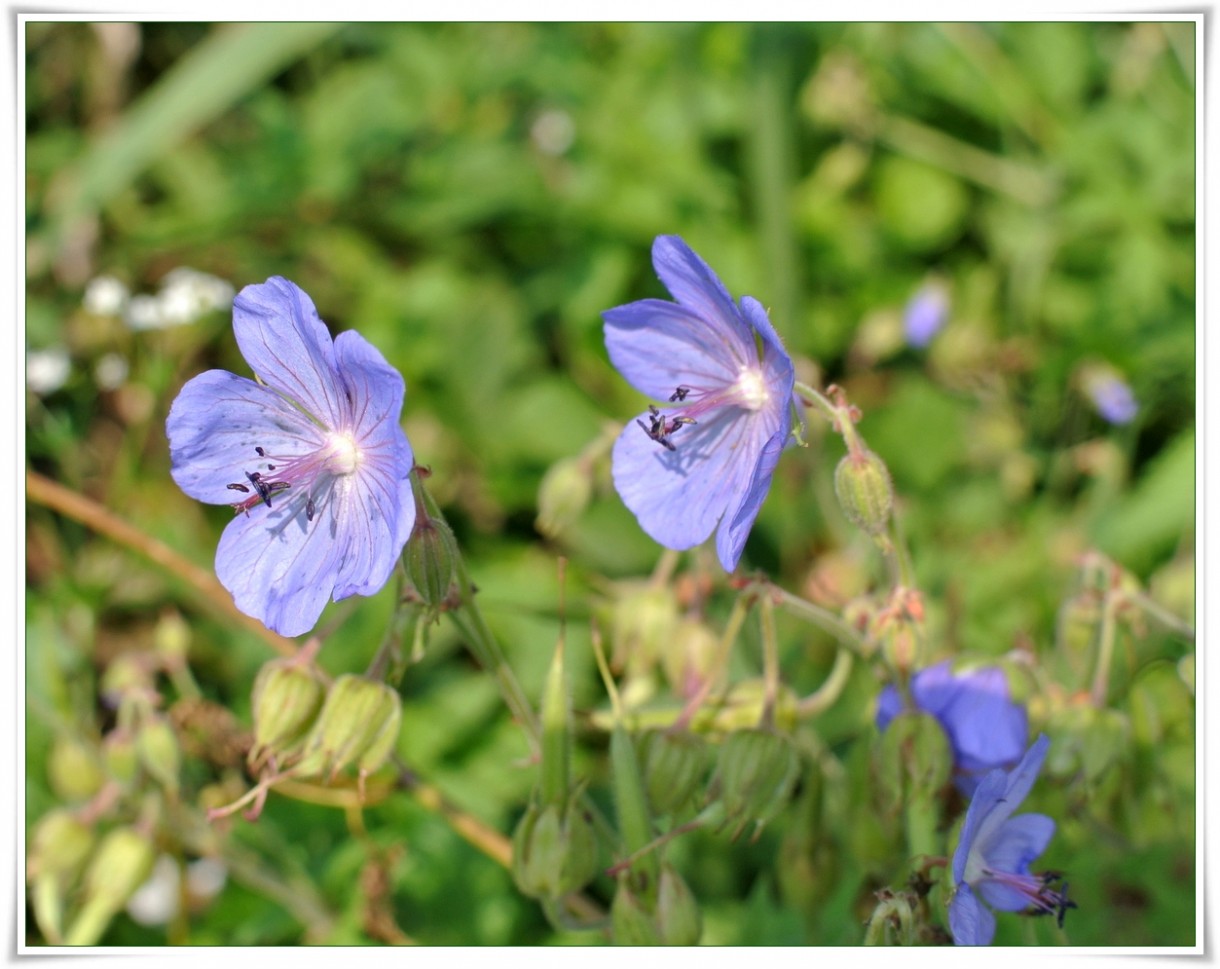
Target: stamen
x=679 y=394
x=309 y=510
x=238 y=487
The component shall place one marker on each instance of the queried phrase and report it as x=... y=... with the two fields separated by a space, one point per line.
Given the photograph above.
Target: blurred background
x=985 y=233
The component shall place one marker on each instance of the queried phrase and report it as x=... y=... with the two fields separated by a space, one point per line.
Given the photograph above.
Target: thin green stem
x=824 y=619
x=825 y=695
x=731 y=631
x=1105 y=652
x=1162 y=615
x=770 y=651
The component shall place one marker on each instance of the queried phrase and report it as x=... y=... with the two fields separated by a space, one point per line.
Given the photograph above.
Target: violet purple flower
x=994 y=851
x=312 y=451
x=986 y=729
x=925 y=313
x=1113 y=399
x=702 y=462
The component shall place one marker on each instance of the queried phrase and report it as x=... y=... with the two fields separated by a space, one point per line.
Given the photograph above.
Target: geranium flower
x=993 y=853
x=985 y=728
x=703 y=461
x=925 y=313
x=311 y=457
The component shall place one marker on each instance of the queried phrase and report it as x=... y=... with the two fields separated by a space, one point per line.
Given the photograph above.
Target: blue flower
x=985 y=728
x=312 y=451
x=994 y=851
x=703 y=461
x=925 y=314
x=1113 y=399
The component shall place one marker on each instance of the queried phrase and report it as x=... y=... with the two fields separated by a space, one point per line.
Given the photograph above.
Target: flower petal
x=969 y=921
x=988 y=799
x=280 y=567
x=1017 y=787
x=216 y=422
x=378 y=514
x=679 y=496
x=731 y=538
x=987 y=729
x=780 y=373
x=658 y=346
x=692 y=282
x=288 y=346
x=1017 y=842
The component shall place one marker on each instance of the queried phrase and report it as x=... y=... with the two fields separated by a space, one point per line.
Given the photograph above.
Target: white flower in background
x=186 y=294
x=110 y=371
x=156 y=901
x=105 y=296
x=46 y=370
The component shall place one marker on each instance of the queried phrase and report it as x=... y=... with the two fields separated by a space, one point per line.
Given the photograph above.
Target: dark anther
x=309 y=510
x=266 y=489
x=238 y=487
x=679 y=394
x=261 y=452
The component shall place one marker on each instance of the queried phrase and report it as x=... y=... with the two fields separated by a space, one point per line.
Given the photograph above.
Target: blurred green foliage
x=470 y=197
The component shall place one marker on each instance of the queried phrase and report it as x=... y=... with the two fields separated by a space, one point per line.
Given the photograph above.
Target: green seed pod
x=631 y=923
x=358 y=725
x=73 y=769
x=913 y=759
x=286 y=699
x=563 y=495
x=157 y=748
x=119 y=756
x=673 y=765
x=59 y=845
x=554 y=850
x=862 y=485
x=678 y=919
x=120 y=865
x=431 y=559
x=757 y=771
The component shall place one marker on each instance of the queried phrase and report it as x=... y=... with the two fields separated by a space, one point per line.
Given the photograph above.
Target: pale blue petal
x=279 y=567
x=1018 y=786
x=1017 y=842
x=987 y=729
x=658 y=346
x=216 y=422
x=988 y=799
x=731 y=538
x=777 y=365
x=288 y=346
x=679 y=496
x=889 y=705
x=969 y=921
x=692 y=282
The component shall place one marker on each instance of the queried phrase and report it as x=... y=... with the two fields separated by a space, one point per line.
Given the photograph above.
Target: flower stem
x=770 y=648
x=731 y=630
x=822 y=618
x=825 y=696
x=1105 y=651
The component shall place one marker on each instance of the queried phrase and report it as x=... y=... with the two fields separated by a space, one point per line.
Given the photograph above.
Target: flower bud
x=59 y=845
x=157 y=749
x=286 y=699
x=73 y=769
x=673 y=765
x=172 y=639
x=757 y=771
x=119 y=756
x=673 y=919
x=689 y=656
x=431 y=559
x=358 y=725
x=554 y=850
x=642 y=625
x=678 y=919
x=563 y=495
x=120 y=865
x=862 y=485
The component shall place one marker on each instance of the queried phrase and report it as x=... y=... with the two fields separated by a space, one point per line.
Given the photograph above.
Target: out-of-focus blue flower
x=1113 y=398
x=985 y=727
x=925 y=314
x=994 y=851
x=704 y=459
x=313 y=453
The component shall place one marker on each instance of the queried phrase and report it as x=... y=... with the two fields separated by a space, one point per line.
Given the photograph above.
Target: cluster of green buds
x=555 y=843
x=664 y=914
x=357 y=726
x=756 y=774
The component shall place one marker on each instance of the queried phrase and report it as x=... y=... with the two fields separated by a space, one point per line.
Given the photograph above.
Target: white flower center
x=343 y=455
x=750 y=389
